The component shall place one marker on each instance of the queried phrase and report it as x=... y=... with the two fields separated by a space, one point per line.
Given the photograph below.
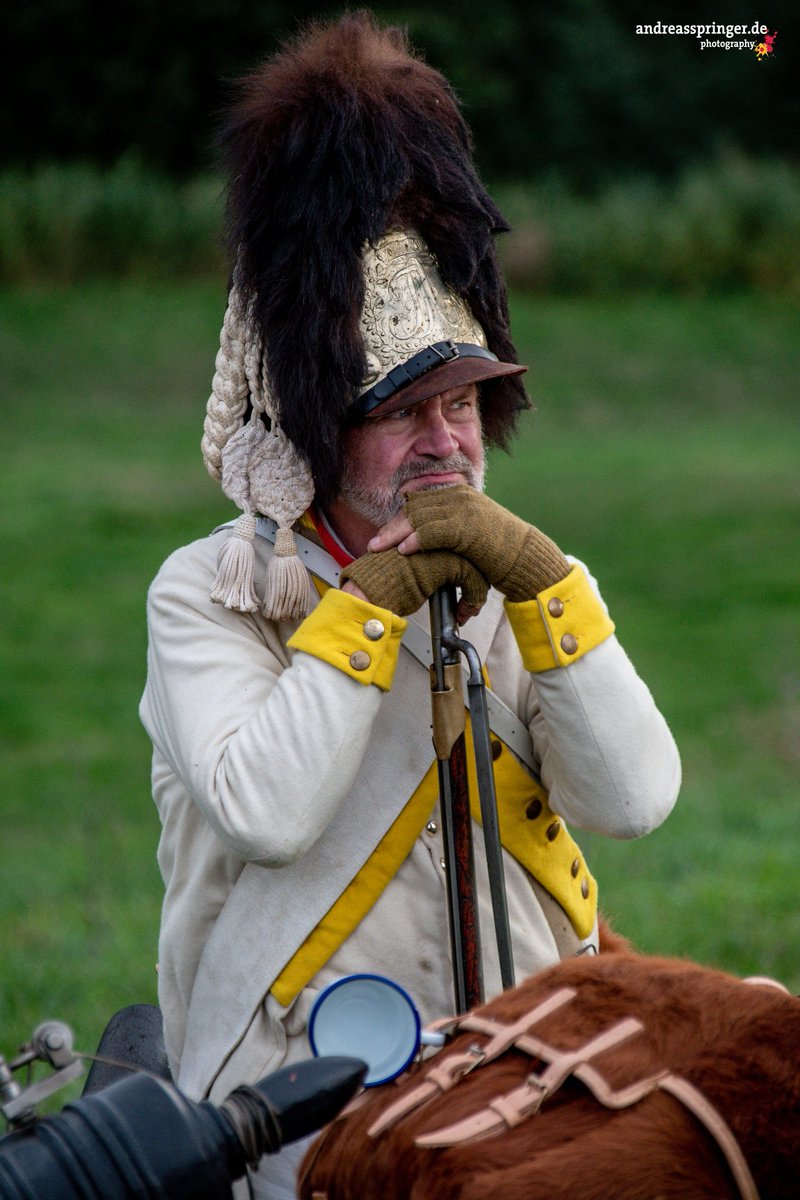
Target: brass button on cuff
x=555 y=607
x=533 y=810
x=553 y=831
x=585 y=889
x=360 y=660
x=569 y=643
x=576 y=866
x=374 y=629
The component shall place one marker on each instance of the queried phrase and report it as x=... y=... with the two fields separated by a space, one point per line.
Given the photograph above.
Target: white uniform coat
x=273 y=757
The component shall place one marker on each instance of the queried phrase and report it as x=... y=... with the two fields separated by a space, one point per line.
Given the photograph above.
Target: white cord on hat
x=260 y=470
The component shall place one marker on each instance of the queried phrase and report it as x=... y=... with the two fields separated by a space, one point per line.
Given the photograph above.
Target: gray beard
x=381 y=504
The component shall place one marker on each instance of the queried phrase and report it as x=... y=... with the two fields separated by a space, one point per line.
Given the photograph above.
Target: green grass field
x=664 y=452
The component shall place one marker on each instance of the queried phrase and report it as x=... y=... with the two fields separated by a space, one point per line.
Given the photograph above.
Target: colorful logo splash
x=764 y=48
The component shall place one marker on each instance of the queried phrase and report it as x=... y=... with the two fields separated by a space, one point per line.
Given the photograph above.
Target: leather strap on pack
x=508 y=1110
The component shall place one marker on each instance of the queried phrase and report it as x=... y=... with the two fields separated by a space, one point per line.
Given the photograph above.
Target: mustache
x=384 y=501
x=457 y=462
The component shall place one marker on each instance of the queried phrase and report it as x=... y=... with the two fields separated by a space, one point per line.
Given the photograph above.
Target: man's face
x=434 y=444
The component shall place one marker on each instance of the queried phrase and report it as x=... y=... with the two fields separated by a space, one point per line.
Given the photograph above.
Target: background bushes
x=734 y=223
x=623 y=160
x=731 y=224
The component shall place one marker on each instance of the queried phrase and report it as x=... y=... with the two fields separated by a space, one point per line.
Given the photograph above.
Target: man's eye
x=392 y=418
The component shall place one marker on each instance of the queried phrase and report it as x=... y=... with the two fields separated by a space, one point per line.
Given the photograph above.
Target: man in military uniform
x=365 y=363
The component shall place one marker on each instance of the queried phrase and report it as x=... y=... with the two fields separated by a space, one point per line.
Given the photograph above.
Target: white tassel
x=233 y=585
x=286 y=596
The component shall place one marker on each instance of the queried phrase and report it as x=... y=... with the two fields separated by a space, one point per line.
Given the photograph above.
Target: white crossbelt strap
x=417 y=641
x=269 y=913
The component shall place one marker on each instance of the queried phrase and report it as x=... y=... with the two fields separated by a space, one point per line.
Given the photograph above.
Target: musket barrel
x=449 y=739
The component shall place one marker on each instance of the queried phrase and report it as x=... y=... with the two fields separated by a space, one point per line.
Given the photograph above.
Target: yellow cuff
x=354 y=636
x=562 y=624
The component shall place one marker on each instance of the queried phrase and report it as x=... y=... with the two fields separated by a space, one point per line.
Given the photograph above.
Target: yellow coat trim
x=538 y=839
x=529 y=830
x=562 y=624
x=541 y=842
x=360 y=894
x=336 y=632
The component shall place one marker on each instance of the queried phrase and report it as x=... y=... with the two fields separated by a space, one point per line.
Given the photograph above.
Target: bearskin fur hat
x=341 y=137
x=364 y=276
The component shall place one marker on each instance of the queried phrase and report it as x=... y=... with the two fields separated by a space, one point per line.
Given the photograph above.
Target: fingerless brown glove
x=515 y=557
x=402 y=583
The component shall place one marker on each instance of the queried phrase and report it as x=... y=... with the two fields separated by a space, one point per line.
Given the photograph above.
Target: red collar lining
x=331 y=545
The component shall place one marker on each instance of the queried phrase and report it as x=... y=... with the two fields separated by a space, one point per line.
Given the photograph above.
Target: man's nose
x=434 y=435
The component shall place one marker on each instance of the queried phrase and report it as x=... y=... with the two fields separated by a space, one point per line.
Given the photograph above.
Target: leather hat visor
x=456 y=372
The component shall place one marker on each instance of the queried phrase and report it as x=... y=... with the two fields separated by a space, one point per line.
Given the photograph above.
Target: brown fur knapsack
x=736 y=1043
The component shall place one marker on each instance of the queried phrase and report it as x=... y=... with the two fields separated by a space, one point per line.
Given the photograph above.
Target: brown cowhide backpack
x=616 y=1077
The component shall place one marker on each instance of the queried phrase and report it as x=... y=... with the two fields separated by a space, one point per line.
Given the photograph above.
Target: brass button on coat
x=533 y=810
x=360 y=660
x=555 y=607
x=374 y=629
x=497 y=750
x=569 y=643
x=442 y=864
x=553 y=831
x=576 y=866
x=432 y=827
x=585 y=889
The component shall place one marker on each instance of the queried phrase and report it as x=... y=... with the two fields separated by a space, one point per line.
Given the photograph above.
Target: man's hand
x=402 y=583
x=397 y=532
x=513 y=556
